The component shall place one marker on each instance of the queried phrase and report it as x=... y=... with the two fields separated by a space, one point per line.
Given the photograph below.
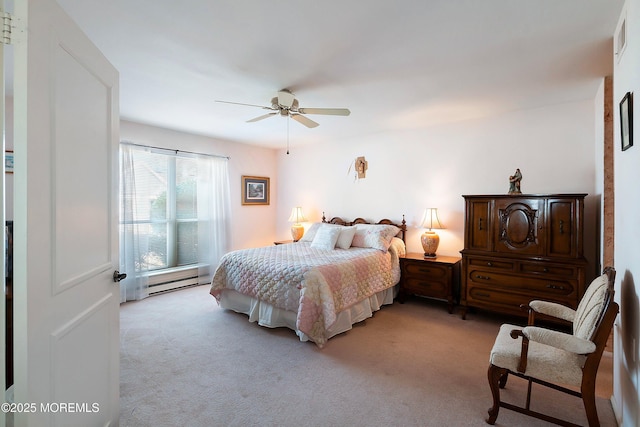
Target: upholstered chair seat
x=545 y=362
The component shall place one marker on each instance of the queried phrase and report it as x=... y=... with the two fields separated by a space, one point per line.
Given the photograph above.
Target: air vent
x=621 y=38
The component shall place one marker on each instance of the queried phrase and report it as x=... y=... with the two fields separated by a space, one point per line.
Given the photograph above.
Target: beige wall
x=626 y=398
x=410 y=170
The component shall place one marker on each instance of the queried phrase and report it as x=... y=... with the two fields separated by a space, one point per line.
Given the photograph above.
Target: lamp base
x=430 y=241
x=297 y=231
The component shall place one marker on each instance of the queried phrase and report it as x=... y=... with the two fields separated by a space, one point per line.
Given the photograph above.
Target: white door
x=2 y=221
x=66 y=222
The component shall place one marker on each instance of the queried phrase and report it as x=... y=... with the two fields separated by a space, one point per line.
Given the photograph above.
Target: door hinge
x=7 y=25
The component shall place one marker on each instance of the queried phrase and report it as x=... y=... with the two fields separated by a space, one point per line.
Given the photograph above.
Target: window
x=166 y=208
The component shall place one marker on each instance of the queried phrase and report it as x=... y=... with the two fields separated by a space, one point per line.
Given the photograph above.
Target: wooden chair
x=555 y=359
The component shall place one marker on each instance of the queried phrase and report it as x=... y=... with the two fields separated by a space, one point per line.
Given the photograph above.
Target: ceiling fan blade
x=285 y=98
x=262 y=117
x=304 y=120
x=248 y=105
x=327 y=111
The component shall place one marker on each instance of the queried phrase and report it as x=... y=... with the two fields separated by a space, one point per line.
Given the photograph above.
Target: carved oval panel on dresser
x=517 y=226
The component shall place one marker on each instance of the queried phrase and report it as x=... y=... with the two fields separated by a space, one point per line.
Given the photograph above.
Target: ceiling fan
x=286 y=105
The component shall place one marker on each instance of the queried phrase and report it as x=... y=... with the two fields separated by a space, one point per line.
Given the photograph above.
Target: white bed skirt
x=271 y=317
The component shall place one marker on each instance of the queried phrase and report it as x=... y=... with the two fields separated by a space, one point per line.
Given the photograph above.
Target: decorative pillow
x=311 y=232
x=326 y=237
x=346 y=237
x=374 y=236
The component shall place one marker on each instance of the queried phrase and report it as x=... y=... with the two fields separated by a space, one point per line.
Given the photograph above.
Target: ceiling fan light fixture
x=285 y=98
x=287 y=106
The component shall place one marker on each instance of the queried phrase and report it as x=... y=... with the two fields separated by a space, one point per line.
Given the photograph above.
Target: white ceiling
x=395 y=64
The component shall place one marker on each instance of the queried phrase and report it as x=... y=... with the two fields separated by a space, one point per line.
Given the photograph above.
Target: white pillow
x=311 y=232
x=326 y=237
x=376 y=236
x=346 y=237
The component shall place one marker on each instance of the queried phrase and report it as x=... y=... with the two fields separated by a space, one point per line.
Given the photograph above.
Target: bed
x=337 y=275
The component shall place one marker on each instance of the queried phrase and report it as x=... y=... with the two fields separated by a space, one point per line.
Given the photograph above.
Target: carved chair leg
x=589 y=400
x=503 y=380
x=496 y=376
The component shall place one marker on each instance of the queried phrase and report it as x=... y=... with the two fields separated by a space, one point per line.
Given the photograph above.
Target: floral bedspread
x=316 y=284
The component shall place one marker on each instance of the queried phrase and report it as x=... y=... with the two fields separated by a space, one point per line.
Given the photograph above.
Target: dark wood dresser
x=522 y=247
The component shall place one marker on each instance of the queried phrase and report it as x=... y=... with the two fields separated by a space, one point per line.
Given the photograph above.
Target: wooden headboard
x=339 y=221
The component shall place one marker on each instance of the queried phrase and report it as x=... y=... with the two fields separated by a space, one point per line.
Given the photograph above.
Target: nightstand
x=282 y=242
x=435 y=278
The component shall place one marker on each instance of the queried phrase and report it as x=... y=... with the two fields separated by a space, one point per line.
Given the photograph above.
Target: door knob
x=117 y=276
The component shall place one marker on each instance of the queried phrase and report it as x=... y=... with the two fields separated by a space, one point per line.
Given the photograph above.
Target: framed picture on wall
x=626 y=120
x=8 y=161
x=255 y=190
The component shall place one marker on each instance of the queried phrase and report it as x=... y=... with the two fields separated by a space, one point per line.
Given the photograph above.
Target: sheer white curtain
x=133 y=243
x=148 y=218
x=214 y=214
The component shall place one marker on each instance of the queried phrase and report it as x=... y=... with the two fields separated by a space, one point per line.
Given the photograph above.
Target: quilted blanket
x=316 y=284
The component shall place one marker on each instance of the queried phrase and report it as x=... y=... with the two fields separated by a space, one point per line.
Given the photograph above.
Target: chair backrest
x=593 y=304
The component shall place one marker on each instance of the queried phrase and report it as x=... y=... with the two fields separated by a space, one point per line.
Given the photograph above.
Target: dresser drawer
x=548 y=269
x=507 y=301
x=491 y=263
x=509 y=282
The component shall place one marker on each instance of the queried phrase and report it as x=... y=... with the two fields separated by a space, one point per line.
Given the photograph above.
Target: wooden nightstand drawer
x=431 y=270
x=430 y=277
x=432 y=288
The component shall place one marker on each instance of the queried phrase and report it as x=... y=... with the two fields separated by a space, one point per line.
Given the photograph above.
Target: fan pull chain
x=288 y=119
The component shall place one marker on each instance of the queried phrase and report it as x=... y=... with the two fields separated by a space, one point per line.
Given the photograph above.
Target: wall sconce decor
x=430 y=240
x=297 y=230
x=360 y=166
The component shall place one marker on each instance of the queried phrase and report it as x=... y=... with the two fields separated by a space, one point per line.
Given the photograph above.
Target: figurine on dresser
x=514 y=182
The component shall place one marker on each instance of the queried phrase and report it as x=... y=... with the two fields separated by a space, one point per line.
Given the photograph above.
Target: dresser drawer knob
x=482 y=277
x=489 y=264
x=556 y=287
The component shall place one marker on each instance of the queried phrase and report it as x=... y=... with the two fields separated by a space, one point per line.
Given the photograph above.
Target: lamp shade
x=430 y=219
x=297 y=216
x=297 y=230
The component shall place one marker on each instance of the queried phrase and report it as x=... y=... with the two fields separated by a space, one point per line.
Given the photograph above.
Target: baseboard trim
x=616 y=411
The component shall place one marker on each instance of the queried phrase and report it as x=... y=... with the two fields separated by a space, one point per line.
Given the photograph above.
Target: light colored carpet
x=187 y=362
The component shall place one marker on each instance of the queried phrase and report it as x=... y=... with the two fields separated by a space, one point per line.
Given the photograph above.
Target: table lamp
x=430 y=240
x=297 y=230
